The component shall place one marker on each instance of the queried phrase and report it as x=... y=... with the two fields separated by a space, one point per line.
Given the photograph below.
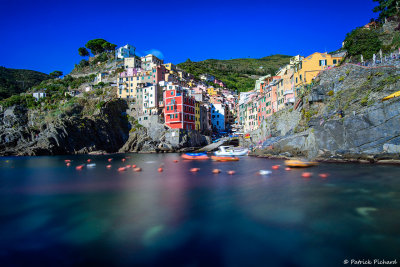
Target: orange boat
x=219 y=158
x=195 y=156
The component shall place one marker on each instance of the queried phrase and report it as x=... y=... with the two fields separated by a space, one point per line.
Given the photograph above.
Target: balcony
x=288 y=92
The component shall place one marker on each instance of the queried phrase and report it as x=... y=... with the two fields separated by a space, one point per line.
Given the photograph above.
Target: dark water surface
x=53 y=215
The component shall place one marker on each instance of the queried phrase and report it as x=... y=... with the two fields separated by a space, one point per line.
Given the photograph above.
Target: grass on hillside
x=237 y=74
x=16 y=81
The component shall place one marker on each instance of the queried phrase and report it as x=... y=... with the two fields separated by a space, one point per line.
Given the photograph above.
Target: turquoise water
x=51 y=214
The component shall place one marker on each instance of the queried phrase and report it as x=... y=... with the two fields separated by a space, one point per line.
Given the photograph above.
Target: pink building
x=220 y=83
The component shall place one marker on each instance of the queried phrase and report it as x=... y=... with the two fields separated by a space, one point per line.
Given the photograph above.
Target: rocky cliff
x=29 y=132
x=342 y=117
x=169 y=140
x=82 y=126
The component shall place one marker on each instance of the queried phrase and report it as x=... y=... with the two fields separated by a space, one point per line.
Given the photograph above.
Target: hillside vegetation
x=16 y=81
x=238 y=74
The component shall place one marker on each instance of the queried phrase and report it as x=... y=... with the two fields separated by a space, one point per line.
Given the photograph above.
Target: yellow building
x=309 y=67
x=170 y=66
x=197 y=116
x=212 y=91
x=130 y=84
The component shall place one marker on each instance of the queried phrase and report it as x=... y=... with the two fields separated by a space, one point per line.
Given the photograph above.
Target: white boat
x=264 y=172
x=231 y=151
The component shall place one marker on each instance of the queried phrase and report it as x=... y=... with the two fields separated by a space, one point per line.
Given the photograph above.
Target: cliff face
x=342 y=117
x=167 y=140
x=84 y=128
x=68 y=133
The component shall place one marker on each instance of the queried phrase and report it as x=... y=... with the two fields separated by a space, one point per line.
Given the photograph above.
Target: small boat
x=91 y=165
x=296 y=163
x=231 y=151
x=225 y=158
x=195 y=156
x=264 y=172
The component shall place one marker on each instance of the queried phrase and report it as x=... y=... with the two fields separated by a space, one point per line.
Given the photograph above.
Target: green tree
x=362 y=42
x=109 y=46
x=56 y=74
x=386 y=8
x=83 y=52
x=96 y=46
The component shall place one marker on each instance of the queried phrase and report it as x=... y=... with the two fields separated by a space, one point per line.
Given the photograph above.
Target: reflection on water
x=51 y=213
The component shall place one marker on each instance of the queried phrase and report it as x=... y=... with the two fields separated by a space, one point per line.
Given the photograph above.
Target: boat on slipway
x=231 y=151
x=195 y=156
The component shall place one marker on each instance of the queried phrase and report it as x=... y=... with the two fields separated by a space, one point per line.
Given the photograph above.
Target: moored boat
x=224 y=158
x=231 y=151
x=296 y=163
x=195 y=156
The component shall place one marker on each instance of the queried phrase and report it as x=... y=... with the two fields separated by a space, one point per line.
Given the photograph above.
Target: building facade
x=179 y=108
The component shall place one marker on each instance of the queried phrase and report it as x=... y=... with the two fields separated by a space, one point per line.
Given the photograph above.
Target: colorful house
x=197 y=115
x=179 y=108
x=131 y=81
x=125 y=51
x=218 y=116
x=308 y=68
x=212 y=91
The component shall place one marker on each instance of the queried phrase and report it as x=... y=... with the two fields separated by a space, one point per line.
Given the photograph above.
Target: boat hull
x=195 y=157
x=219 y=158
x=232 y=153
x=300 y=164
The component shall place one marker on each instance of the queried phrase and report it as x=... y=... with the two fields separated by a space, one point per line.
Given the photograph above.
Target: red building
x=179 y=108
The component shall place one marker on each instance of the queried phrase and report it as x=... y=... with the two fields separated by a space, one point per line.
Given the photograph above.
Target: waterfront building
x=218 y=115
x=197 y=116
x=179 y=108
x=152 y=95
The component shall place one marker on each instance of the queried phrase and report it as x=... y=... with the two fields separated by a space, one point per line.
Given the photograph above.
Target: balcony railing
x=288 y=92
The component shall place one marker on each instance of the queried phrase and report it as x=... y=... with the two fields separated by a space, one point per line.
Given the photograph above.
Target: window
x=167 y=108
x=176 y=115
x=323 y=62
x=334 y=61
x=172 y=92
x=172 y=107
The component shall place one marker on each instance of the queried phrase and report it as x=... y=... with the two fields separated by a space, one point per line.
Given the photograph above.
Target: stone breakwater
x=369 y=131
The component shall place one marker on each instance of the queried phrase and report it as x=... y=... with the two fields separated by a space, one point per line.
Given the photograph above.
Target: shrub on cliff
x=362 y=42
x=25 y=100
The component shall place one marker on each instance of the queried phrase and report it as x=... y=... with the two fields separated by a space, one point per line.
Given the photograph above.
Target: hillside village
x=160 y=96
x=163 y=93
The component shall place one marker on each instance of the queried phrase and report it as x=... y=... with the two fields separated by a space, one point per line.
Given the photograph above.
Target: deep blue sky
x=45 y=35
